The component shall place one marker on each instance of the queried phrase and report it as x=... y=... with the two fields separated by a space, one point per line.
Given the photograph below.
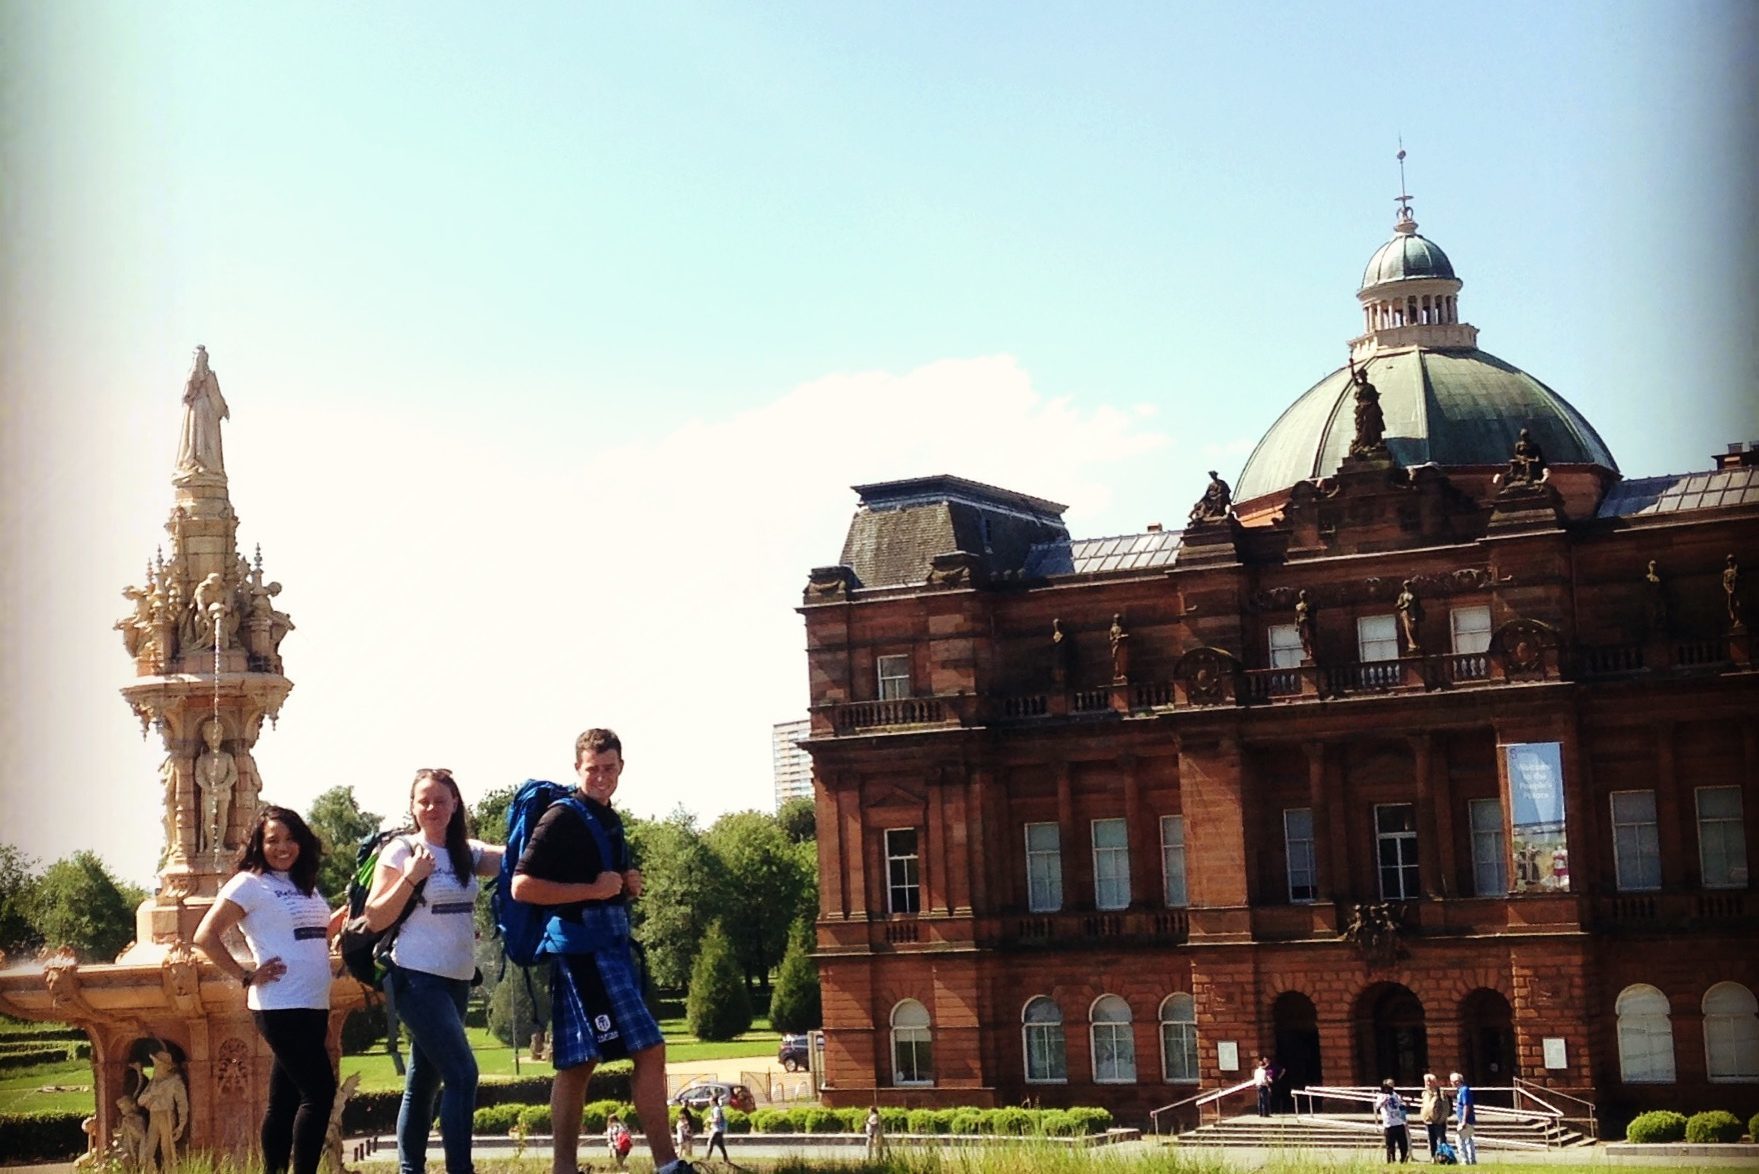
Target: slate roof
x=1681 y=491
x=1094 y=556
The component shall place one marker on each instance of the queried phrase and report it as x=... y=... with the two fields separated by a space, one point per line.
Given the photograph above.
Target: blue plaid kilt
x=596 y=1008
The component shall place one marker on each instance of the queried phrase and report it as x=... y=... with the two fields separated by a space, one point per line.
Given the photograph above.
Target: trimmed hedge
x=1713 y=1125
x=42 y=1136
x=376 y=1111
x=533 y=1119
x=1753 y=1127
x=1658 y=1126
x=57 y=1053
x=495 y=1119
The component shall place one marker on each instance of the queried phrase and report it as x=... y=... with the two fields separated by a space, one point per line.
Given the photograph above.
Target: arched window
x=1645 y=1036
x=1042 y=1037
x=912 y=1044
x=1731 y=1032
x=1178 y=1039
x=1114 y=1044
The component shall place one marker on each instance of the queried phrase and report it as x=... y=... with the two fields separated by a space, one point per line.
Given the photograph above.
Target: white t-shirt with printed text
x=282 y=922
x=440 y=935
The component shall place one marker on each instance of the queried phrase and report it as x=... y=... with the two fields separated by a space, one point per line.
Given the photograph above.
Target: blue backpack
x=528 y=932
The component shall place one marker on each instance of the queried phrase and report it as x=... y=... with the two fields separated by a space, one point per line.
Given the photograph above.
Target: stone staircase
x=1358 y=1131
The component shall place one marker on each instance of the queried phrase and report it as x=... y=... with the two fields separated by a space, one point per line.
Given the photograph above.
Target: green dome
x=1407 y=257
x=1450 y=408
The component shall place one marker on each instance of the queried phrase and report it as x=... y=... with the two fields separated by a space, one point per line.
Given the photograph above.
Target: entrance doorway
x=1487 y=1037
x=1296 y=1022
x=1392 y=1039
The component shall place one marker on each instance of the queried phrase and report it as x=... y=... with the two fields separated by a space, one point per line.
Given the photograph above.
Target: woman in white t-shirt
x=433 y=961
x=288 y=925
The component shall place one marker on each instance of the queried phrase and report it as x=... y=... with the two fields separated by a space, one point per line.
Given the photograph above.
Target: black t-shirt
x=561 y=849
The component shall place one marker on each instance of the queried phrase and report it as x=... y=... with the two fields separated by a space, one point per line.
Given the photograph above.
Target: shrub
x=816 y=1120
x=795 y=1001
x=718 y=1007
x=494 y=1120
x=1010 y=1122
x=1056 y=1123
x=534 y=1119
x=592 y=1118
x=32 y=1056
x=511 y=1006
x=966 y=1121
x=1753 y=1127
x=920 y=1121
x=363 y=1028
x=41 y=1137
x=772 y=1121
x=1713 y=1125
x=738 y=1120
x=1661 y=1125
x=854 y=1120
x=1088 y=1119
x=81 y=1050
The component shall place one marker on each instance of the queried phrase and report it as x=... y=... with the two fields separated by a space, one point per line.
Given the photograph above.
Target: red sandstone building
x=1431 y=749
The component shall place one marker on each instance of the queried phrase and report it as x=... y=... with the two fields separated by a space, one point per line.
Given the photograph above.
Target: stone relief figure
x=1370 y=420
x=1654 y=601
x=1213 y=505
x=173 y=841
x=1304 y=610
x=1120 y=641
x=166 y=1103
x=130 y=1138
x=211 y=612
x=139 y=622
x=1410 y=610
x=1527 y=464
x=198 y=448
x=216 y=774
x=1731 y=590
x=1060 y=653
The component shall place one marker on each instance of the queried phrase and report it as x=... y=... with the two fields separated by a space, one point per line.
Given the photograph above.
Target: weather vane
x=1404 y=197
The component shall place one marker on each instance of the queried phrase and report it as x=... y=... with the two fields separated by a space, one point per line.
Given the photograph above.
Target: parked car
x=792 y=1054
x=701 y=1093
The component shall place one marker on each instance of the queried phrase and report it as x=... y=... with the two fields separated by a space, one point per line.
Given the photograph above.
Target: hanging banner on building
x=1539 y=849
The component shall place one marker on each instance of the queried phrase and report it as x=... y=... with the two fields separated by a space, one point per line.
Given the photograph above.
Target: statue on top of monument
x=1214 y=504
x=216 y=774
x=198 y=448
x=1370 y=438
x=1527 y=462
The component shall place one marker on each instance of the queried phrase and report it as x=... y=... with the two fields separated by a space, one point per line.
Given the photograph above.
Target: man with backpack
x=576 y=864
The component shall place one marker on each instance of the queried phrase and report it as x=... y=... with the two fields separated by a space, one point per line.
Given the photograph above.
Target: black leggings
x=302 y=1088
x=717 y=1137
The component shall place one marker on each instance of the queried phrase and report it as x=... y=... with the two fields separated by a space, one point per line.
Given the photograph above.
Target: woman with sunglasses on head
x=433 y=961
x=273 y=900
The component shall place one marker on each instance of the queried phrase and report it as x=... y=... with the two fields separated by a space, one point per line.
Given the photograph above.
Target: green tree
x=488 y=821
x=18 y=934
x=766 y=885
x=719 y=1006
x=77 y=903
x=798 y=819
x=512 y=1008
x=340 y=823
x=684 y=890
x=794 y=1004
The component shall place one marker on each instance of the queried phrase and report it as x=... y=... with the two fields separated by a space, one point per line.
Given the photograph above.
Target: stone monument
x=204 y=690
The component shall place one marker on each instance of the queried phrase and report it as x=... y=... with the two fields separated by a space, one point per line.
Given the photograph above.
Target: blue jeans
x=433 y=1009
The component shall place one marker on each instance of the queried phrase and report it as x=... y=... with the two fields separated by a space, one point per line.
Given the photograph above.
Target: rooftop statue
x=1370 y=437
x=1527 y=464
x=1213 y=505
x=198 y=449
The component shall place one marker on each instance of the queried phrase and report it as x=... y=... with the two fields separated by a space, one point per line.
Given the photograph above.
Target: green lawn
x=18 y=1090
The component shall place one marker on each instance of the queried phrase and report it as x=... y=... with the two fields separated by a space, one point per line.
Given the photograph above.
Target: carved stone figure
x=89 y=1127
x=333 y=1134
x=198 y=448
x=1120 y=641
x=130 y=1137
x=173 y=841
x=1304 y=611
x=1654 y=601
x=138 y=623
x=1410 y=610
x=1370 y=439
x=1060 y=653
x=211 y=612
x=166 y=1103
x=1731 y=589
x=1375 y=930
x=1527 y=464
x=216 y=774
x=1213 y=505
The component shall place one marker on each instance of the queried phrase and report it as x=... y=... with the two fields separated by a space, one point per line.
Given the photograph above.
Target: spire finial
x=1407 y=223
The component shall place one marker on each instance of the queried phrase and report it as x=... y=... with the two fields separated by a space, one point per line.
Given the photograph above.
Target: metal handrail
x=1525 y=1088
x=1200 y=1100
x=1364 y=1095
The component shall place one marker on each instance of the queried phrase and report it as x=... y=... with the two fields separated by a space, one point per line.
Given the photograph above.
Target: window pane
x=1489 y=854
x=1471 y=629
x=1111 y=864
x=1722 y=838
x=1179 y=1044
x=1633 y=806
x=1044 y=867
x=1377 y=638
x=1110 y=833
x=1635 y=843
x=903 y=877
x=1719 y=803
x=1172 y=848
x=894 y=677
x=1285 y=646
x=1298 y=849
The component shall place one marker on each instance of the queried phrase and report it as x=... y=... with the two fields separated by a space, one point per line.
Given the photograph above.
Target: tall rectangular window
x=903 y=871
x=1044 y=867
x=1298 y=846
x=1490 y=870
x=1636 y=847
x=1395 y=832
x=1285 y=646
x=894 y=677
x=1172 y=859
x=1722 y=838
x=1471 y=628
x=1111 y=864
x=1377 y=638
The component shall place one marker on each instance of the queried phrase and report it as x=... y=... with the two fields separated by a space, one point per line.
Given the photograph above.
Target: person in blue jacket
x=1466 y=1119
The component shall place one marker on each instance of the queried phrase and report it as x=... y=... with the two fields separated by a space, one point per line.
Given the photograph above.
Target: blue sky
x=554 y=336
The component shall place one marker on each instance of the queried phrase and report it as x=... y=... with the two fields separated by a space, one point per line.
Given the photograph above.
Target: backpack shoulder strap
x=594 y=828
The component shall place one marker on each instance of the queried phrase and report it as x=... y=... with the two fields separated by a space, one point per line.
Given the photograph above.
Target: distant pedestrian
x=876 y=1133
x=1433 y=1112
x=1466 y=1116
x=1261 y=1080
x=1389 y=1107
x=686 y=1131
x=618 y=1140
x=717 y=1130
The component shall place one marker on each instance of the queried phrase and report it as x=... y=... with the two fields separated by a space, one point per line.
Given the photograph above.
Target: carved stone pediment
x=1526 y=648
x=956 y=568
x=1378 y=589
x=824 y=584
x=1207 y=676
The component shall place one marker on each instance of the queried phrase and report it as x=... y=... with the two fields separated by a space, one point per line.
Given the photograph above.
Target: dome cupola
x=1409 y=295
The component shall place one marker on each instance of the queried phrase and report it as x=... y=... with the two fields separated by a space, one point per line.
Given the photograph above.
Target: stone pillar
x=1066 y=841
